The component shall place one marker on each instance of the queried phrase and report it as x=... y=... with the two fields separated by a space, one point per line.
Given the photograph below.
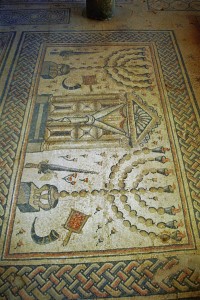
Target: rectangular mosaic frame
x=77 y=280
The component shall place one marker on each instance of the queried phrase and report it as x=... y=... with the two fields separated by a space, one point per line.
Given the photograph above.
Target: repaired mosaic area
x=174 y=5
x=100 y=173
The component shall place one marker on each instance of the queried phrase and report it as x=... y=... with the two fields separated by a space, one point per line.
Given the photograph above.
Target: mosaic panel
x=171 y=5
x=33 y=16
x=54 y=1
x=108 y=140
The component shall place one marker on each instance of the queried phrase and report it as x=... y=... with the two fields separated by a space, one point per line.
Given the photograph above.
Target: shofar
x=100 y=9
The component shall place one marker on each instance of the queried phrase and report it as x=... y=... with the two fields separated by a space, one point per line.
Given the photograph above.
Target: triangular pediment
x=142 y=119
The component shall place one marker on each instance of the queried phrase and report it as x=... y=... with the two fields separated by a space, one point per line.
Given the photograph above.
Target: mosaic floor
x=182 y=5
x=99 y=153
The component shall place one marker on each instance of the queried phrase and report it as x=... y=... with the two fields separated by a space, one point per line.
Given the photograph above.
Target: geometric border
x=11 y=36
x=14 y=17
x=98 y=280
x=4 y=56
x=152 y=5
x=53 y=1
